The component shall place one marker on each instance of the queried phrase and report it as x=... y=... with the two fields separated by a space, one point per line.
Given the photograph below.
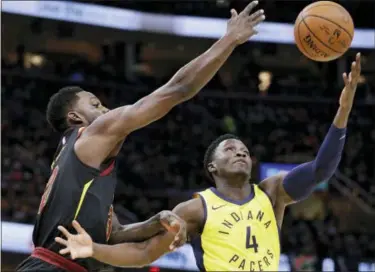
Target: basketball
x=323 y=31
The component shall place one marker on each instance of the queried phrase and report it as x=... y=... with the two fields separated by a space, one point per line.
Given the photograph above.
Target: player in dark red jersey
x=83 y=182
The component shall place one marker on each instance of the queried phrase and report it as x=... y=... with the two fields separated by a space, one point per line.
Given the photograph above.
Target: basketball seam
x=300 y=40
x=327 y=5
x=303 y=20
x=329 y=20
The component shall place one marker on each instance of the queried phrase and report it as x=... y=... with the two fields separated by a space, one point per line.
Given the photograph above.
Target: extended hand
x=351 y=81
x=241 y=26
x=78 y=245
x=173 y=223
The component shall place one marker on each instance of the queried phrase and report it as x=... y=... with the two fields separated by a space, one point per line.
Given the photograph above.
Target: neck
x=233 y=189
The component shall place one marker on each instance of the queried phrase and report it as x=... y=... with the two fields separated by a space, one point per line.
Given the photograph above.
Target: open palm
x=79 y=245
x=351 y=82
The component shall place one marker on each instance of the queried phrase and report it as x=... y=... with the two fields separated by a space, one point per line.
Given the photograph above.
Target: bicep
x=192 y=212
x=274 y=188
x=123 y=120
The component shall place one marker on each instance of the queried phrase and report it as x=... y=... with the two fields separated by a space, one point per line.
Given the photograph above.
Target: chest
x=235 y=221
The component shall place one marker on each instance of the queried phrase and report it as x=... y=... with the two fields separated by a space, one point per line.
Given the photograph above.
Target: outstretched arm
x=111 y=128
x=138 y=232
x=301 y=181
x=141 y=254
x=136 y=254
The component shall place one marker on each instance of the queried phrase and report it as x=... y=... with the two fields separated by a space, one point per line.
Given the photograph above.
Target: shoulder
x=192 y=211
x=273 y=187
x=190 y=208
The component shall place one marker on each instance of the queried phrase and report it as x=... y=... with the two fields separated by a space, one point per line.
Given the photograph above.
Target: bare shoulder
x=192 y=211
x=272 y=186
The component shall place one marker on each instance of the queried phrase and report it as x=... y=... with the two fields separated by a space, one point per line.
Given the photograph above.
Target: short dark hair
x=211 y=150
x=59 y=104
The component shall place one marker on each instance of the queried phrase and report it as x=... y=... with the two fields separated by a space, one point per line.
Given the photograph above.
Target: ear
x=74 y=117
x=211 y=167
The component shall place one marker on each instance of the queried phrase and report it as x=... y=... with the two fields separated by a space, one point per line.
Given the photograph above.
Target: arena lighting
x=131 y=20
x=265 y=78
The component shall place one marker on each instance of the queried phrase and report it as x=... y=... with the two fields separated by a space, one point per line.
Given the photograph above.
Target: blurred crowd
x=162 y=164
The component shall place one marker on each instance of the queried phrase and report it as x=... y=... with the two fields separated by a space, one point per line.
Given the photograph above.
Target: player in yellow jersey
x=235 y=225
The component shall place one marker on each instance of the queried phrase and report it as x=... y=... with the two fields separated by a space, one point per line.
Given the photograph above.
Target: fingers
x=78 y=227
x=233 y=13
x=64 y=231
x=171 y=225
x=345 y=78
x=64 y=251
x=257 y=17
x=358 y=60
x=175 y=243
x=350 y=77
x=249 y=8
x=356 y=65
x=61 y=241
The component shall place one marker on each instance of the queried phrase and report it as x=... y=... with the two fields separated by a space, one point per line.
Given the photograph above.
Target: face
x=231 y=159
x=86 y=109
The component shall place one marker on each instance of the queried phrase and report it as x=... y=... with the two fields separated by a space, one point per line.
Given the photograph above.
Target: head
x=73 y=106
x=228 y=158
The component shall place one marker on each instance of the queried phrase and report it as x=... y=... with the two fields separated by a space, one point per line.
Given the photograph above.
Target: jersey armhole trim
x=205 y=212
x=274 y=214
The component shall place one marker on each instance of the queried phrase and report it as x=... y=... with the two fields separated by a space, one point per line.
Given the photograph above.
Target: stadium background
x=276 y=100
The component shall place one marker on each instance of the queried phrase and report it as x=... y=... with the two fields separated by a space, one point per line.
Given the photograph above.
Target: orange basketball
x=323 y=31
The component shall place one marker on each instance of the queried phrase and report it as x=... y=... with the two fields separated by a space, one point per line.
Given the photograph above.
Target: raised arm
x=301 y=181
x=111 y=128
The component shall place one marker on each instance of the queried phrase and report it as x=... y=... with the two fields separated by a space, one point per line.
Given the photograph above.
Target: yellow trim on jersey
x=84 y=191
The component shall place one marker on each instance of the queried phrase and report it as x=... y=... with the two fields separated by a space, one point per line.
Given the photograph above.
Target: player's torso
x=75 y=191
x=238 y=236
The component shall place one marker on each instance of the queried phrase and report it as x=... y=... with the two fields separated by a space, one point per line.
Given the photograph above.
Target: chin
x=243 y=174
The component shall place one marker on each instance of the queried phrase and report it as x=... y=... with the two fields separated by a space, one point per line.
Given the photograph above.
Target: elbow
x=182 y=91
x=324 y=172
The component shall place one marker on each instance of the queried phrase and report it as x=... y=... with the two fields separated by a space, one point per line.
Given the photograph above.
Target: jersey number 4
x=48 y=189
x=251 y=240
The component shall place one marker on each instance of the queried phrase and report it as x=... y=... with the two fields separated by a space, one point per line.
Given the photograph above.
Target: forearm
x=137 y=232
x=133 y=254
x=341 y=118
x=197 y=73
x=301 y=181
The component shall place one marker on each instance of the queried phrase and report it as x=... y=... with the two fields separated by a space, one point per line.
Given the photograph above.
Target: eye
x=229 y=148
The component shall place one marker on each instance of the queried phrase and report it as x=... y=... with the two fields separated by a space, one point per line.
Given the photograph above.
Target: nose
x=241 y=154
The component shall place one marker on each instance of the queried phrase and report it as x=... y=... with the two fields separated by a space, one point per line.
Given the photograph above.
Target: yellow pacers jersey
x=238 y=236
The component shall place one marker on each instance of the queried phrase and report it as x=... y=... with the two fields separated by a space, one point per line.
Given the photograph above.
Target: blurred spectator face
x=231 y=159
x=87 y=108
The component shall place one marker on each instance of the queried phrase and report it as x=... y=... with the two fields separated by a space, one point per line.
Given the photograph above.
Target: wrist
x=231 y=39
x=95 y=248
x=344 y=109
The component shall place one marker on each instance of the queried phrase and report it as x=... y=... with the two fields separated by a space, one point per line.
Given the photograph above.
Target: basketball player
x=235 y=226
x=83 y=182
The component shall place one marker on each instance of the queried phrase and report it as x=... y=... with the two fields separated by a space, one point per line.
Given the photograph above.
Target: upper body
x=216 y=221
x=73 y=191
